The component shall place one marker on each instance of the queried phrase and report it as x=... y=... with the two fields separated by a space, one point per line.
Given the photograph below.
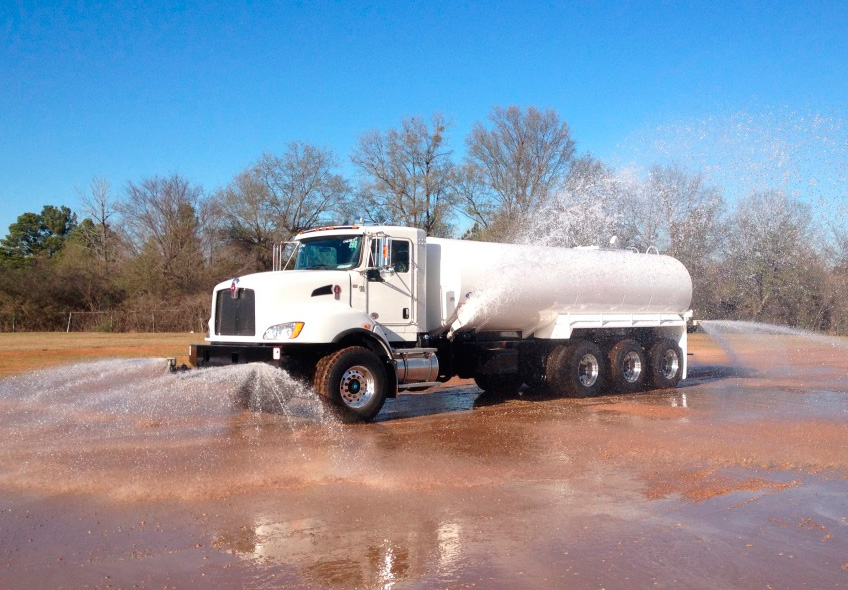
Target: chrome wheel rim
x=632 y=367
x=588 y=370
x=669 y=364
x=357 y=386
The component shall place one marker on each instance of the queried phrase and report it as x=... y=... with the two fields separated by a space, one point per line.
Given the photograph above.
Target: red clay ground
x=114 y=474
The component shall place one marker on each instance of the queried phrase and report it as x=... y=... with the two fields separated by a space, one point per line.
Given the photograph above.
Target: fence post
x=70 y=315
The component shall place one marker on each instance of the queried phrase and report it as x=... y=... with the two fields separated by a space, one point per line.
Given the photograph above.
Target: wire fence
x=160 y=320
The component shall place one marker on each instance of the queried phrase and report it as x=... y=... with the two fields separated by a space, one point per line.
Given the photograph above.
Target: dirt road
x=113 y=474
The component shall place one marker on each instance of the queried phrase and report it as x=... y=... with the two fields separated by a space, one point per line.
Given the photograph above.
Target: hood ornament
x=234 y=288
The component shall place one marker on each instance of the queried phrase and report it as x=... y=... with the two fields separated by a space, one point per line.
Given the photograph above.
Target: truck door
x=390 y=298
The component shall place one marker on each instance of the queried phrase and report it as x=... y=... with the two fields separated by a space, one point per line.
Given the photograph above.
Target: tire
x=532 y=373
x=576 y=370
x=628 y=366
x=353 y=380
x=498 y=385
x=666 y=363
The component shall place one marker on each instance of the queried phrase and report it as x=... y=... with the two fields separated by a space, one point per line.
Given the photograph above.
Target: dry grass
x=23 y=352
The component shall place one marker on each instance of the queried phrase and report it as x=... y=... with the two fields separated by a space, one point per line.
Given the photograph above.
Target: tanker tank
x=508 y=287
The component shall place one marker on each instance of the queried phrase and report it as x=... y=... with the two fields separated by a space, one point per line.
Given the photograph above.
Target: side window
x=400 y=256
x=372 y=256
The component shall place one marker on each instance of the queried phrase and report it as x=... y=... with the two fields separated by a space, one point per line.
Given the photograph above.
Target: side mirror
x=373 y=275
x=384 y=252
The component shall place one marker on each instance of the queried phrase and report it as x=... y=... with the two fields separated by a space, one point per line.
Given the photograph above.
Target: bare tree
x=836 y=248
x=470 y=188
x=524 y=157
x=679 y=213
x=774 y=273
x=249 y=215
x=162 y=227
x=280 y=196
x=100 y=208
x=304 y=186
x=837 y=240
x=407 y=174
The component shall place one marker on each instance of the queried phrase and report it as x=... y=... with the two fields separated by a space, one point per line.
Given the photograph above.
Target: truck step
x=401 y=352
x=419 y=385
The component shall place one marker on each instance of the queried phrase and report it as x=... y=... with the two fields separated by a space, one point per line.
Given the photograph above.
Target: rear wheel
x=576 y=370
x=628 y=366
x=354 y=380
x=666 y=360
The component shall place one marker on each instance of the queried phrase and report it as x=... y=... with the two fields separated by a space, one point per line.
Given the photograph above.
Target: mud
x=113 y=474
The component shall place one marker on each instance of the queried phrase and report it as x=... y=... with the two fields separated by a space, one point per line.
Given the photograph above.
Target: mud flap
x=497 y=361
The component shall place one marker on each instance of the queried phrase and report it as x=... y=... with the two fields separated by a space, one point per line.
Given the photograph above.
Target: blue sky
x=127 y=91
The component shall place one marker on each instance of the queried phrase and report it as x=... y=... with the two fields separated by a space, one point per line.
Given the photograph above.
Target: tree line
x=161 y=243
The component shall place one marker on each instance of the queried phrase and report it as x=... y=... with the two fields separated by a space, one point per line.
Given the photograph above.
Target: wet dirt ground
x=113 y=475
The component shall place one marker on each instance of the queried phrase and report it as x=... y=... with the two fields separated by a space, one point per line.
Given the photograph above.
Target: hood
x=295 y=285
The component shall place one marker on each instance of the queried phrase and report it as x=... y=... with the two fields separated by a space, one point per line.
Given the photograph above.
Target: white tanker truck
x=368 y=311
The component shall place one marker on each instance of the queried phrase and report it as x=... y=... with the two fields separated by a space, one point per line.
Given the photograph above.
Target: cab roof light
x=327 y=228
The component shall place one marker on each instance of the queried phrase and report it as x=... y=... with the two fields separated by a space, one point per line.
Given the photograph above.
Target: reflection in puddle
x=449 y=544
x=679 y=401
x=369 y=555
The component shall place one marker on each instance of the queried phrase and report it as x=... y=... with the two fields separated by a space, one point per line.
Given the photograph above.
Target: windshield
x=335 y=253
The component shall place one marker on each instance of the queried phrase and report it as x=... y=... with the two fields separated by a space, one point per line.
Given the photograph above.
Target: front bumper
x=221 y=355
x=299 y=359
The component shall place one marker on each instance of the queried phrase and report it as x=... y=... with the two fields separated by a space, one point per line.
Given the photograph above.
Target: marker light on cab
x=288 y=331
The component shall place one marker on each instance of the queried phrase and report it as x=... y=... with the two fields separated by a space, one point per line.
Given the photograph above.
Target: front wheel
x=666 y=359
x=354 y=380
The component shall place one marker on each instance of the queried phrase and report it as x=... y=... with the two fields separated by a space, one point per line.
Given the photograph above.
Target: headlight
x=283 y=331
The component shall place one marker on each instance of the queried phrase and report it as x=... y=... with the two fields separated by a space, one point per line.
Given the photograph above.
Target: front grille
x=236 y=316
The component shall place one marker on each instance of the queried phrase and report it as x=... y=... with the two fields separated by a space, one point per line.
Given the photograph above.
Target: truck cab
x=347 y=287
x=340 y=279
